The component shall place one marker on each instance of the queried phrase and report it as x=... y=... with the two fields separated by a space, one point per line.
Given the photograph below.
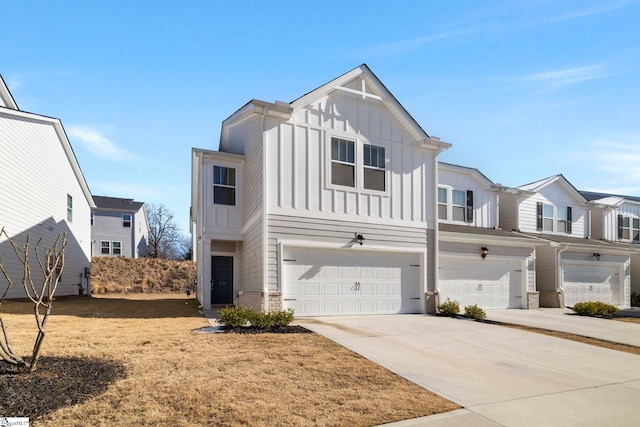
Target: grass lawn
x=123 y=360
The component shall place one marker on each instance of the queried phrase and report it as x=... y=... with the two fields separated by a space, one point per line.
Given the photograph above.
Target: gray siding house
x=119 y=227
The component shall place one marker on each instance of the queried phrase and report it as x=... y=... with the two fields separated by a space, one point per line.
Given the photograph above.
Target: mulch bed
x=290 y=329
x=57 y=382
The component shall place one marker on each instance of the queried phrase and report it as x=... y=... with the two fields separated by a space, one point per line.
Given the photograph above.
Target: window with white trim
x=561 y=221
x=116 y=248
x=105 y=247
x=343 y=162
x=69 y=208
x=126 y=220
x=547 y=217
x=224 y=186
x=442 y=203
x=374 y=167
x=458 y=205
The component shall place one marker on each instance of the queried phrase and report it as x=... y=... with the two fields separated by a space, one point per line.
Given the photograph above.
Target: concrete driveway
x=500 y=376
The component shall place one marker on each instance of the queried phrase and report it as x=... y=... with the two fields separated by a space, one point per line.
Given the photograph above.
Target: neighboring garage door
x=590 y=282
x=337 y=282
x=491 y=283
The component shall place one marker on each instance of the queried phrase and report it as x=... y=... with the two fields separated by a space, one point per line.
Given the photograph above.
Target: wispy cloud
x=567 y=76
x=596 y=9
x=412 y=44
x=98 y=144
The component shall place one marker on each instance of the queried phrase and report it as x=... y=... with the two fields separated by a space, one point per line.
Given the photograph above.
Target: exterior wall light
x=359 y=238
x=484 y=251
x=597 y=256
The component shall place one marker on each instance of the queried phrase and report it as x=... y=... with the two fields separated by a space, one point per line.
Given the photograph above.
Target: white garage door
x=337 y=282
x=591 y=282
x=491 y=284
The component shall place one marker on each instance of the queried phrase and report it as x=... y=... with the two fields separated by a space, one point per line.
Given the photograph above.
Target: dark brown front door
x=221 y=280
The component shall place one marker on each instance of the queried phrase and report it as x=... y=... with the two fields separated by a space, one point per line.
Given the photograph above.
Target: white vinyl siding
x=33 y=157
x=558 y=198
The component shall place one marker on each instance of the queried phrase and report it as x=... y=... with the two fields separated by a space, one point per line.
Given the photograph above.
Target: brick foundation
x=255 y=300
x=431 y=302
x=533 y=300
x=551 y=299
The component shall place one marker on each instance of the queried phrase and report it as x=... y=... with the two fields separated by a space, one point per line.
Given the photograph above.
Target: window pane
x=367 y=155
x=335 y=148
x=547 y=224
x=381 y=158
x=343 y=151
x=350 y=151
x=562 y=214
x=374 y=179
x=626 y=233
x=224 y=195
x=636 y=223
x=342 y=174
x=457 y=212
x=459 y=198
x=548 y=211
x=442 y=211
x=625 y=221
x=442 y=195
x=562 y=226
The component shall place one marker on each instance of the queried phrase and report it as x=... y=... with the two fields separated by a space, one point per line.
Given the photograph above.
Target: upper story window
x=455 y=205
x=69 y=208
x=126 y=220
x=92 y=218
x=343 y=162
x=224 y=186
x=442 y=203
x=553 y=219
x=628 y=228
x=374 y=167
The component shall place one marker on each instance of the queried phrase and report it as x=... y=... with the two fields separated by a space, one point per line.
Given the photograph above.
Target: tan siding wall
x=545 y=269
x=508 y=208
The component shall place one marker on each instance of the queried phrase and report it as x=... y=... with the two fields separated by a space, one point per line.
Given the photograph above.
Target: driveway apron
x=501 y=376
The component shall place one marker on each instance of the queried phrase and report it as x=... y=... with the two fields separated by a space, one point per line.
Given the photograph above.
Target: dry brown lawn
x=628 y=319
x=157 y=371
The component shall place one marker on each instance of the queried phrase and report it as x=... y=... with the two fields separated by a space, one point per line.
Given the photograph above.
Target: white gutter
x=436 y=244
x=265 y=198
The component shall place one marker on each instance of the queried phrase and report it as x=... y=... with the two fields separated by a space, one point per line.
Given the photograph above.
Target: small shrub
x=282 y=317
x=449 y=308
x=261 y=319
x=635 y=299
x=474 y=312
x=236 y=316
x=594 y=308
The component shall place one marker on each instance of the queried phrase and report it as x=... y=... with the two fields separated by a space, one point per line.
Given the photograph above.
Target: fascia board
x=6 y=95
x=449 y=236
x=473 y=173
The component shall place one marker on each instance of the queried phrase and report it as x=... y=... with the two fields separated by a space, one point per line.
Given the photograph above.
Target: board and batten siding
x=250 y=268
x=610 y=219
x=36 y=177
x=298 y=158
x=555 y=195
x=311 y=231
x=484 y=202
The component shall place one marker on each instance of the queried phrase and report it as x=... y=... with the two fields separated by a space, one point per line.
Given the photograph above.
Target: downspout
x=436 y=243
x=265 y=197
x=559 y=280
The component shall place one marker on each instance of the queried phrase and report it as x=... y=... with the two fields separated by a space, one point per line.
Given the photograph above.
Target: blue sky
x=522 y=89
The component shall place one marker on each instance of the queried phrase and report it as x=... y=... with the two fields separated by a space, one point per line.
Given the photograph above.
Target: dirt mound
x=147 y=275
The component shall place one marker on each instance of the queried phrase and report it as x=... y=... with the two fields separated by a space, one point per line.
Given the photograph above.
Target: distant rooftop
x=590 y=195
x=118 y=203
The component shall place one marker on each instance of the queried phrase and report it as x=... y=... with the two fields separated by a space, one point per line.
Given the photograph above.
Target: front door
x=221 y=280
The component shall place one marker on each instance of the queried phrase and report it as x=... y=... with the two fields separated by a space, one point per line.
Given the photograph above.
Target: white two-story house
x=119 y=227
x=479 y=262
x=572 y=265
x=326 y=204
x=43 y=195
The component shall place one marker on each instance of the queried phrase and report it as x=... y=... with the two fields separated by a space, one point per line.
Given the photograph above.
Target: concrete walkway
x=500 y=376
x=565 y=320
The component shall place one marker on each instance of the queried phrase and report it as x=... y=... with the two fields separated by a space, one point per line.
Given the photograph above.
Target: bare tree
x=164 y=234
x=51 y=264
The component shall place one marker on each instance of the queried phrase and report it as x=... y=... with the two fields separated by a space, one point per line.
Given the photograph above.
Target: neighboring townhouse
x=43 y=194
x=571 y=264
x=479 y=263
x=119 y=227
x=326 y=204
x=617 y=219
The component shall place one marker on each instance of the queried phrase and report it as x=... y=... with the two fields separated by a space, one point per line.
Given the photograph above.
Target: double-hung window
x=442 y=203
x=547 y=218
x=116 y=248
x=105 y=247
x=224 y=186
x=69 y=208
x=635 y=230
x=458 y=205
x=626 y=228
x=126 y=220
x=374 y=167
x=561 y=221
x=343 y=162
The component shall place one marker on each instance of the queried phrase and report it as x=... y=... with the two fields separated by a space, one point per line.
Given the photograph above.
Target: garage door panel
x=491 y=283
x=355 y=282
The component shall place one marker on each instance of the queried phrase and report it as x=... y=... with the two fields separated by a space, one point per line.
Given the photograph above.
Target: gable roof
x=6 y=99
x=537 y=186
x=606 y=199
x=117 y=203
x=470 y=171
x=10 y=108
x=369 y=80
